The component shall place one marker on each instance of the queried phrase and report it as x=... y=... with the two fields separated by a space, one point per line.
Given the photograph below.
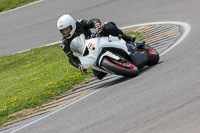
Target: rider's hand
x=98 y=28
x=80 y=67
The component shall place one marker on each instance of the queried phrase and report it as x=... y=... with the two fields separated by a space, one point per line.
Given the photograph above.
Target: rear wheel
x=153 y=56
x=120 y=68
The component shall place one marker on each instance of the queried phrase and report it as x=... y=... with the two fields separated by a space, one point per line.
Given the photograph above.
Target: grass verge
x=34 y=77
x=6 y=5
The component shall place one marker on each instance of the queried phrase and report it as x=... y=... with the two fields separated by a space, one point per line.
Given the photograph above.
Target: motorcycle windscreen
x=78 y=46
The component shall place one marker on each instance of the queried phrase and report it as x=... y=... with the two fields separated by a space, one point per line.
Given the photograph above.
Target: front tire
x=126 y=69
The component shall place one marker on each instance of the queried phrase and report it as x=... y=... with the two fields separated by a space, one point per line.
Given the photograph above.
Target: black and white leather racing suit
x=83 y=26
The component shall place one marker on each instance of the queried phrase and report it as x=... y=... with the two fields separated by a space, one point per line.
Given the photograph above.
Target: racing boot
x=142 y=45
x=129 y=38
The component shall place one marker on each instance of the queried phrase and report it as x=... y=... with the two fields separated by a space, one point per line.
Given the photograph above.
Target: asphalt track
x=162 y=99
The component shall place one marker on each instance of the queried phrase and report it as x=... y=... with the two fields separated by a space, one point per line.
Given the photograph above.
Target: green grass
x=31 y=78
x=34 y=77
x=138 y=35
x=10 y=4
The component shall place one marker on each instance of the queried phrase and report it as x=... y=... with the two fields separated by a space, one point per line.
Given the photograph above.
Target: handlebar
x=94 y=35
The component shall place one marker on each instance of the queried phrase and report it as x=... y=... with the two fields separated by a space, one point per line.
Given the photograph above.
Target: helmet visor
x=66 y=31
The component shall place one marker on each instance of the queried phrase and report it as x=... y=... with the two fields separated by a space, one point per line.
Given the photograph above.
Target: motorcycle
x=113 y=55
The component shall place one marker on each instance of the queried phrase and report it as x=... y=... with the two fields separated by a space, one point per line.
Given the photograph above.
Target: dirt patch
x=24 y=112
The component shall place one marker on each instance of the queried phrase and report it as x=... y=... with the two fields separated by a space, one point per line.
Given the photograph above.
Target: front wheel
x=126 y=69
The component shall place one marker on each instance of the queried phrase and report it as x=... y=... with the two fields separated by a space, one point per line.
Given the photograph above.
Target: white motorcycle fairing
x=112 y=55
x=94 y=46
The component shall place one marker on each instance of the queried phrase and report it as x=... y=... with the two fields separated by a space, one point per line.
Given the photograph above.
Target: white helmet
x=66 y=25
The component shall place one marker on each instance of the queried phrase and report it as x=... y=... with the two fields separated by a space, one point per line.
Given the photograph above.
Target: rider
x=71 y=28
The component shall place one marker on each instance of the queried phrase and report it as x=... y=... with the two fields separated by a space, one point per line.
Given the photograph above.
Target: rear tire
x=126 y=69
x=153 y=56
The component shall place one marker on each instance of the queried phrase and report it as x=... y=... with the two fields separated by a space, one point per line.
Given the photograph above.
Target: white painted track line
x=21 y=7
x=55 y=111
x=186 y=32
x=186 y=27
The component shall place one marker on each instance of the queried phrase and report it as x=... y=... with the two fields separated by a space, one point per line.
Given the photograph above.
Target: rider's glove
x=98 y=28
x=80 y=67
